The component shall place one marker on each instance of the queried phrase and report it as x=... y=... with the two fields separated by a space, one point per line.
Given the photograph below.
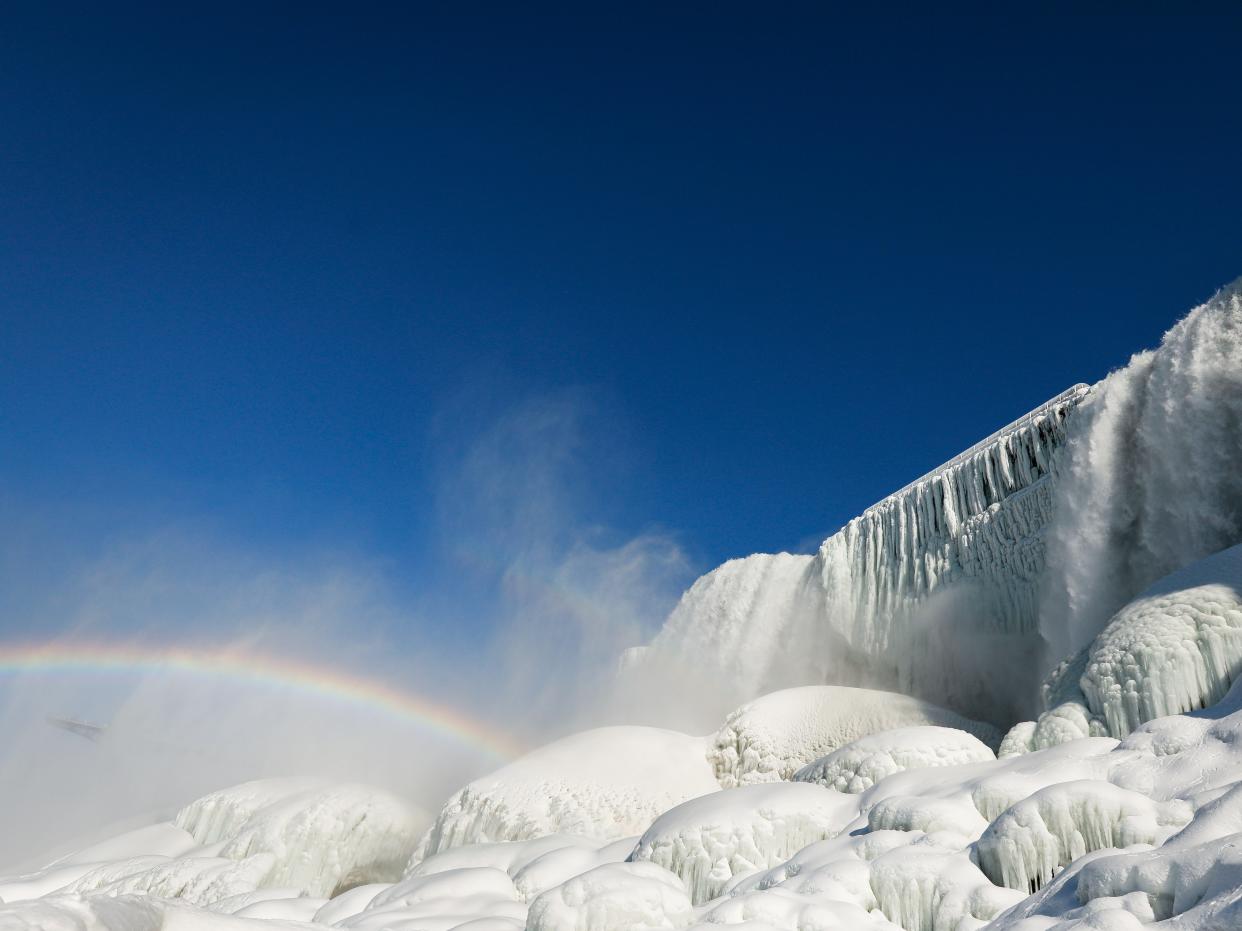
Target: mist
x=518 y=621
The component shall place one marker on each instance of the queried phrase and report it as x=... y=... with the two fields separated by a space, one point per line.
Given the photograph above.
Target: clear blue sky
x=257 y=260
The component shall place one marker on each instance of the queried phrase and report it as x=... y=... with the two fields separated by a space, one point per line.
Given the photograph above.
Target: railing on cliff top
x=1075 y=393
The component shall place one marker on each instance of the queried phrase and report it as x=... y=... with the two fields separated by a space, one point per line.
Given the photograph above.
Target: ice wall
x=1151 y=480
x=965 y=586
x=972 y=527
x=912 y=595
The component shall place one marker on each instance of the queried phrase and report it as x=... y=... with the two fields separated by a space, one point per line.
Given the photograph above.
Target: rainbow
x=262 y=669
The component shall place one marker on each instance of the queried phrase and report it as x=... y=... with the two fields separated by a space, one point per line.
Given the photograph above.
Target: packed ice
x=876 y=752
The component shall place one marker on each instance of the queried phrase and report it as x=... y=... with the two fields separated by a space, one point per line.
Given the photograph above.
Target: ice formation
x=709 y=840
x=1177 y=648
x=859 y=765
x=1040 y=835
x=606 y=783
x=913 y=595
x=617 y=896
x=773 y=737
x=309 y=839
x=902 y=818
x=1149 y=481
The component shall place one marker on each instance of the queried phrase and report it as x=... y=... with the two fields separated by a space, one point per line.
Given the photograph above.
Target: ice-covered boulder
x=1035 y=838
x=327 y=840
x=614 y=897
x=923 y=888
x=781 y=909
x=75 y=913
x=710 y=840
x=771 y=738
x=440 y=901
x=859 y=765
x=606 y=783
x=311 y=838
x=1176 y=648
x=1067 y=721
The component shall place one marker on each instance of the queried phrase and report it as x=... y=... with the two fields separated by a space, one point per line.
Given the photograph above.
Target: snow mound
x=781 y=909
x=1034 y=839
x=614 y=897
x=440 y=901
x=606 y=783
x=773 y=737
x=306 y=838
x=73 y=913
x=710 y=840
x=324 y=841
x=1175 y=649
x=858 y=766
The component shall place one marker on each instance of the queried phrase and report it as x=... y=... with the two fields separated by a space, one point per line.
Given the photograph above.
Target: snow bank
x=440 y=901
x=614 y=897
x=859 y=765
x=606 y=783
x=773 y=737
x=712 y=839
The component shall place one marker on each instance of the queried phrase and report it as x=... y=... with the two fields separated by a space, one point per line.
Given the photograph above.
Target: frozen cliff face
x=732 y=626
x=919 y=594
x=1150 y=479
x=859 y=765
x=773 y=737
x=606 y=783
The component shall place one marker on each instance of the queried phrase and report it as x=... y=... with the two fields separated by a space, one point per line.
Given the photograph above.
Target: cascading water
x=1152 y=474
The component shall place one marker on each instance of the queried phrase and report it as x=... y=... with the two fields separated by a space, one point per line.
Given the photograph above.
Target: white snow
x=618 y=897
x=606 y=783
x=710 y=840
x=773 y=737
x=859 y=765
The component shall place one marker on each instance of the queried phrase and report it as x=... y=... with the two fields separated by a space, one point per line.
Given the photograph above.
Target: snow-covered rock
x=1176 y=648
x=862 y=763
x=614 y=897
x=773 y=737
x=1026 y=846
x=710 y=840
x=606 y=783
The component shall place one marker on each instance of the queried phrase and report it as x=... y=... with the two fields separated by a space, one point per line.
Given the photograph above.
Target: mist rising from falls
x=1151 y=478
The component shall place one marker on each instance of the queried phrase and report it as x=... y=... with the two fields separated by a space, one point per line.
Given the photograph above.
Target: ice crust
x=859 y=765
x=709 y=840
x=606 y=783
x=773 y=737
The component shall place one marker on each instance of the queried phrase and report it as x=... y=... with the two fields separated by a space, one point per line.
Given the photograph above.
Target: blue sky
x=295 y=284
